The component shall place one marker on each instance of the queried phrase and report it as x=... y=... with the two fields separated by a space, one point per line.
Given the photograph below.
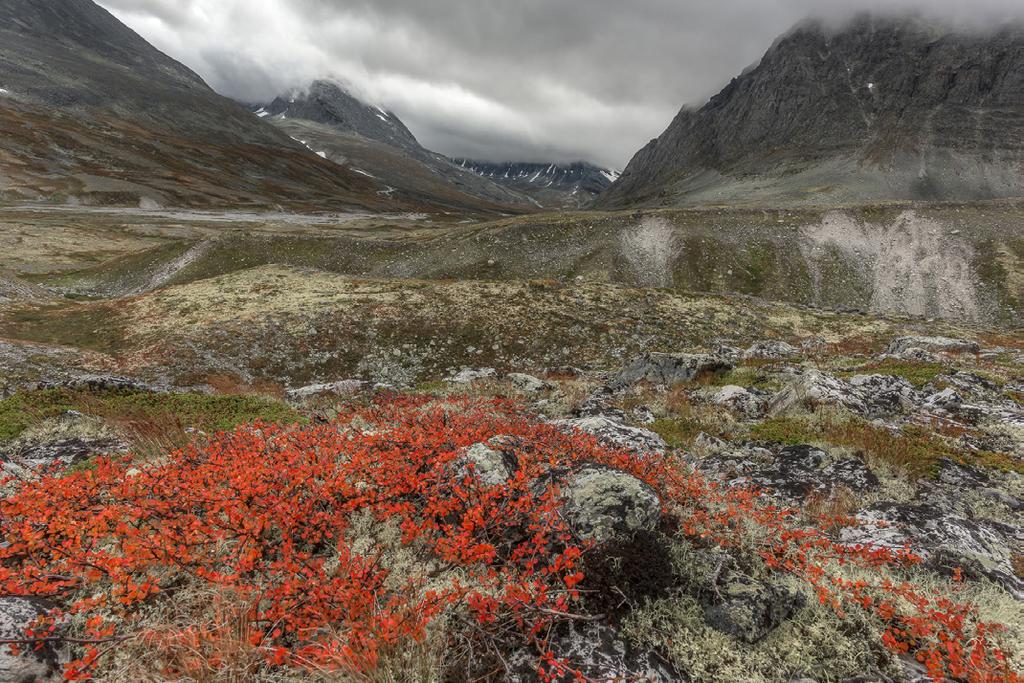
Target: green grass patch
x=678 y=432
x=208 y=413
x=95 y=326
x=915 y=450
x=918 y=374
x=791 y=431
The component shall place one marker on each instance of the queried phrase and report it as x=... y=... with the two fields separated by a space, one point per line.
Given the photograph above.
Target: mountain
x=881 y=108
x=91 y=113
x=372 y=142
x=564 y=186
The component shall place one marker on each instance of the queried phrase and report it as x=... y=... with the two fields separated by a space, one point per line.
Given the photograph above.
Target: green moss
x=677 y=432
x=93 y=327
x=918 y=374
x=25 y=409
x=791 y=431
x=914 y=450
x=205 y=412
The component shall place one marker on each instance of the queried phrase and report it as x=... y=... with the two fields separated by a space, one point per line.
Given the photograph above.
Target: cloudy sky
x=499 y=79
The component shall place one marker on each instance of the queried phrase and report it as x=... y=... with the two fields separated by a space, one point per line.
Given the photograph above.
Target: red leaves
x=266 y=513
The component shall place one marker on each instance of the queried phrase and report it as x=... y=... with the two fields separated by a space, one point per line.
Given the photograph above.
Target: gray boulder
x=770 y=350
x=529 y=383
x=748 y=403
x=601 y=503
x=667 y=369
x=470 y=375
x=904 y=345
x=796 y=472
x=615 y=434
x=599 y=653
x=16 y=614
x=492 y=466
x=346 y=387
x=749 y=609
x=885 y=394
x=867 y=395
x=982 y=548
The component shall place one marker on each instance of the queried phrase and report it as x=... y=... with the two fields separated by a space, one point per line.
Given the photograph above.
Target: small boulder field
x=771 y=512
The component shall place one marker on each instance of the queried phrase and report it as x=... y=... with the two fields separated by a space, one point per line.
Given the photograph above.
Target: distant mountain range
x=339 y=126
x=880 y=109
x=564 y=186
x=375 y=144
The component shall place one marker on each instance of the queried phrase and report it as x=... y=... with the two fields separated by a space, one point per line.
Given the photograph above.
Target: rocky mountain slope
x=375 y=143
x=91 y=113
x=882 y=108
x=561 y=186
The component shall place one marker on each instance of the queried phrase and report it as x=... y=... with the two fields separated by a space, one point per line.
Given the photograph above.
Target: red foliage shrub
x=264 y=512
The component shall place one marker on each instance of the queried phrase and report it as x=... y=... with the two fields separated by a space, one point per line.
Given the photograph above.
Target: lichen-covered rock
x=796 y=472
x=815 y=388
x=93 y=382
x=492 y=466
x=898 y=347
x=65 y=451
x=770 y=350
x=982 y=548
x=31 y=667
x=885 y=394
x=346 y=387
x=745 y=402
x=616 y=434
x=667 y=369
x=600 y=653
x=867 y=395
x=470 y=375
x=529 y=383
x=749 y=609
x=601 y=503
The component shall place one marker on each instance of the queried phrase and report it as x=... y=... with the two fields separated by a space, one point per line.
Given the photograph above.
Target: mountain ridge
x=882 y=108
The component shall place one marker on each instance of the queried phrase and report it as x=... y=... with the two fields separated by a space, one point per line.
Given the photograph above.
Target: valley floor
x=622 y=381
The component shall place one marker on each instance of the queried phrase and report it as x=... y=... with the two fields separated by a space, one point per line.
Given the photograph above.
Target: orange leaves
x=267 y=513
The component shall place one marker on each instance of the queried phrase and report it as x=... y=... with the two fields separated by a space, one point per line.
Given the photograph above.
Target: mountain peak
x=329 y=103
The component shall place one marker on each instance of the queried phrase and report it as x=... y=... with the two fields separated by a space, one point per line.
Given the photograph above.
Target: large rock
x=601 y=503
x=528 y=383
x=668 y=369
x=749 y=609
x=470 y=375
x=492 y=464
x=599 y=653
x=792 y=474
x=885 y=394
x=615 y=434
x=867 y=395
x=16 y=614
x=748 y=403
x=90 y=382
x=770 y=350
x=982 y=548
x=909 y=345
x=66 y=452
x=345 y=387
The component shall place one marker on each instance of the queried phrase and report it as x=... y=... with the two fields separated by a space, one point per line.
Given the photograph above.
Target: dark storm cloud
x=501 y=79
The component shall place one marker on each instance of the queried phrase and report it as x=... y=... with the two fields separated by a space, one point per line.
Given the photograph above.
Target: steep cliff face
x=882 y=108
